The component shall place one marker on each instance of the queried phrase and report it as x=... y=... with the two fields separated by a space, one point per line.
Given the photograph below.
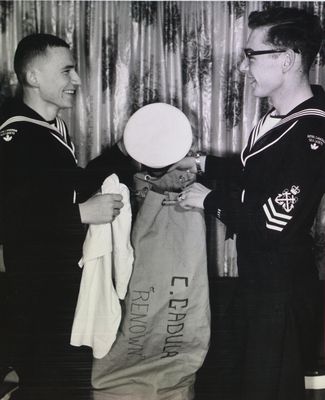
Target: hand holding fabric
x=193 y=196
x=100 y=208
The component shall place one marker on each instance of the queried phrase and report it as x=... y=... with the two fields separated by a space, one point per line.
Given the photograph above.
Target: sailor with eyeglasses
x=269 y=197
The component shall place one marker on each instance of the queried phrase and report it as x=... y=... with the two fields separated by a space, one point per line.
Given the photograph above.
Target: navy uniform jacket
x=42 y=236
x=41 y=185
x=270 y=196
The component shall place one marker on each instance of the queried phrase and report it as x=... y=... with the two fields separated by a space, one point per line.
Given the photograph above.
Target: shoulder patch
x=315 y=142
x=8 y=134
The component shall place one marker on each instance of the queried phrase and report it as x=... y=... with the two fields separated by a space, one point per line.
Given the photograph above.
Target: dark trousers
x=4 y=317
x=279 y=340
x=42 y=307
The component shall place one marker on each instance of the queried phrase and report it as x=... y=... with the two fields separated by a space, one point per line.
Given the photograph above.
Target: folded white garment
x=107 y=266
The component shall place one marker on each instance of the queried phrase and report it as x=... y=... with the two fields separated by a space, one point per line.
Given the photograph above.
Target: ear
x=32 y=78
x=289 y=60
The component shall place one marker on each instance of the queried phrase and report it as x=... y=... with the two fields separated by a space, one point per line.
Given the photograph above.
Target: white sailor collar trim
x=57 y=135
x=292 y=117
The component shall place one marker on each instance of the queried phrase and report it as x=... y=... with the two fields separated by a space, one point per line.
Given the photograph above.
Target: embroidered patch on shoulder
x=8 y=134
x=315 y=142
x=288 y=198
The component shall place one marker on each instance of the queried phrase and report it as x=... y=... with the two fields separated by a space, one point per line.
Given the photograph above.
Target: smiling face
x=264 y=71
x=56 y=79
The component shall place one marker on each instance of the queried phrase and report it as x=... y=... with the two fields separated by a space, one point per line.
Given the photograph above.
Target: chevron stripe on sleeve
x=275 y=220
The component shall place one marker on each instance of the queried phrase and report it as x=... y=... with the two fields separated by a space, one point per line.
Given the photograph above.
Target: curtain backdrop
x=132 y=53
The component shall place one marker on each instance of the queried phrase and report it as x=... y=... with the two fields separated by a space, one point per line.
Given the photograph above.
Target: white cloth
x=107 y=266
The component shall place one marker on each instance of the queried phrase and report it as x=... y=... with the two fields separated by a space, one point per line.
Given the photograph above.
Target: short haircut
x=290 y=28
x=31 y=47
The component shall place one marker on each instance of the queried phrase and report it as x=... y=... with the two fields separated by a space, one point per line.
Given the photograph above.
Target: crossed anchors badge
x=287 y=199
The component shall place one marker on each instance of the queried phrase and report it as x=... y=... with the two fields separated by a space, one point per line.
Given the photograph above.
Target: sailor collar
x=274 y=134
x=55 y=132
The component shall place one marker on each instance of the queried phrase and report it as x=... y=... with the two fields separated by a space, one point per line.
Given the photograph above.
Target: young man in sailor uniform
x=45 y=201
x=269 y=198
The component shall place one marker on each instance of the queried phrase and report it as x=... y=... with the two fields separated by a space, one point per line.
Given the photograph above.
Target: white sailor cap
x=158 y=135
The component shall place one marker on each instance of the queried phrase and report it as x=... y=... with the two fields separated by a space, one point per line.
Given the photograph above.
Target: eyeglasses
x=250 y=53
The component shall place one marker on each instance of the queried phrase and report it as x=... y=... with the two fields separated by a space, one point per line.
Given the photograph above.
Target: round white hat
x=158 y=135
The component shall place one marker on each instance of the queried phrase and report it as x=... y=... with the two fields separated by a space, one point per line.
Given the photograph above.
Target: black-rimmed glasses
x=250 y=53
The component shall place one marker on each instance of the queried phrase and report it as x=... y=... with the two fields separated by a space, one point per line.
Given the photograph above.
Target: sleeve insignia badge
x=276 y=220
x=288 y=198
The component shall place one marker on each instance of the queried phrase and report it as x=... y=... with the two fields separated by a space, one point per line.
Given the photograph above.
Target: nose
x=75 y=78
x=243 y=67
